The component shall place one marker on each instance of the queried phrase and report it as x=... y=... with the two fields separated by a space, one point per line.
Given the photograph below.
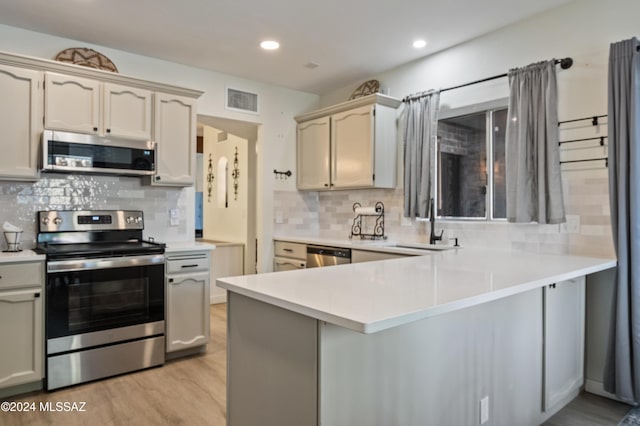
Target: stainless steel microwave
x=76 y=152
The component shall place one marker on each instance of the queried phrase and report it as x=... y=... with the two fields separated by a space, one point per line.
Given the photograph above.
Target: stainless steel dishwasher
x=319 y=256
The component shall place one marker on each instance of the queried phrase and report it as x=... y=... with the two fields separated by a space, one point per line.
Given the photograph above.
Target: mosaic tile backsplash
x=586 y=199
x=19 y=202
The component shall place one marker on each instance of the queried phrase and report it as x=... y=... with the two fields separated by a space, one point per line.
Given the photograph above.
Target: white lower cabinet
x=187 y=319
x=227 y=260
x=21 y=323
x=564 y=324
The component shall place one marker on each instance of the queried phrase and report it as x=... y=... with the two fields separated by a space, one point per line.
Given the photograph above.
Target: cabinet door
x=563 y=340
x=71 y=103
x=175 y=134
x=21 y=358
x=21 y=123
x=187 y=311
x=352 y=148
x=127 y=112
x=313 y=154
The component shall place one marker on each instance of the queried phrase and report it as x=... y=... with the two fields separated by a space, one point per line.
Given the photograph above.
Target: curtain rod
x=565 y=63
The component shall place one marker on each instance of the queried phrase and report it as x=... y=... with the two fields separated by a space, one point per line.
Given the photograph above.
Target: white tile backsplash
x=19 y=202
x=586 y=195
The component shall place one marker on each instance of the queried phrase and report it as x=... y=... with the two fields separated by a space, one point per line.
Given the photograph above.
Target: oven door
x=89 y=295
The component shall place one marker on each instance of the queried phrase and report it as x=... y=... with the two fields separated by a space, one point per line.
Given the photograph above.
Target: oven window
x=107 y=302
x=86 y=301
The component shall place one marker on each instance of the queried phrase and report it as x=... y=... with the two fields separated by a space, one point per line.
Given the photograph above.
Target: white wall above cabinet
x=348 y=146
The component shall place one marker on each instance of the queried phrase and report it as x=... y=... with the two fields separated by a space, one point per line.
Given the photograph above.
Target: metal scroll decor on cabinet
x=372 y=214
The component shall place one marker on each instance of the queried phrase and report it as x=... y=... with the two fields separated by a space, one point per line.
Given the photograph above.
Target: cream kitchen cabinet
x=350 y=145
x=175 y=135
x=314 y=154
x=85 y=105
x=21 y=323
x=20 y=121
x=187 y=304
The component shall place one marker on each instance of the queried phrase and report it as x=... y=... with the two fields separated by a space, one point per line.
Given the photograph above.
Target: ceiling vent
x=239 y=100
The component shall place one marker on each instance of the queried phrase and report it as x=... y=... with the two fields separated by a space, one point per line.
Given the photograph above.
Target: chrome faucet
x=432 y=218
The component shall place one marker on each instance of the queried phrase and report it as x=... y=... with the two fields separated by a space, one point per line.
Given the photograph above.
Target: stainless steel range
x=104 y=295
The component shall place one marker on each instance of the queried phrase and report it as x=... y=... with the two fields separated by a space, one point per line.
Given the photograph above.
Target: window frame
x=489 y=109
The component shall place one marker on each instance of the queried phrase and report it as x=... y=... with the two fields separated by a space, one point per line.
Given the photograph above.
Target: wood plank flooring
x=186 y=391
x=192 y=391
x=590 y=410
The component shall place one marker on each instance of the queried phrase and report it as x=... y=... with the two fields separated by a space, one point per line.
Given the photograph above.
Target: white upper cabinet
x=313 y=154
x=352 y=145
x=175 y=135
x=71 y=103
x=348 y=146
x=84 y=105
x=127 y=111
x=20 y=121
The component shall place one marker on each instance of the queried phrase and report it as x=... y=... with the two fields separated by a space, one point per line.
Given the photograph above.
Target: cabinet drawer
x=294 y=250
x=185 y=263
x=24 y=274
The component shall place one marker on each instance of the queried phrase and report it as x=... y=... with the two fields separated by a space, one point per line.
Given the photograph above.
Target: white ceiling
x=349 y=39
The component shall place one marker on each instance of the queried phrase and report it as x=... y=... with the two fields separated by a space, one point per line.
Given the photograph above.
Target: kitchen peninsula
x=460 y=337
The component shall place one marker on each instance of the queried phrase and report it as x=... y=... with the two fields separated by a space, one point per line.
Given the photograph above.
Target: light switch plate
x=174 y=217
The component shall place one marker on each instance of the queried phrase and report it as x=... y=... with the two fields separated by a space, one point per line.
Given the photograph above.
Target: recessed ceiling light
x=270 y=45
x=419 y=44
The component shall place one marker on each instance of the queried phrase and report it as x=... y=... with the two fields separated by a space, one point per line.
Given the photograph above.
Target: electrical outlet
x=174 y=217
x=484 y=410
x=279 y=217
x=573 y=224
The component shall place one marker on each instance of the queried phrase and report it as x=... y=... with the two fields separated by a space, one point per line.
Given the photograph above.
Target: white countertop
x=184 y=246
x=20 y=256
x=373 y=296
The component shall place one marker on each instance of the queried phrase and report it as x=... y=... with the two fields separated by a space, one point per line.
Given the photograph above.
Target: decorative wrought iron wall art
x=235 y=174
x=210 y=178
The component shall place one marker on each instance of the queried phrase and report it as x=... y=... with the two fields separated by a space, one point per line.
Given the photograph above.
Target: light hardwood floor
x=187 y=391
x=192 y=391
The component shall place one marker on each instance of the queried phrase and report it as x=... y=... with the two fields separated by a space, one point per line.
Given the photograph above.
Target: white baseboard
x=222 y=298
x=597 y=388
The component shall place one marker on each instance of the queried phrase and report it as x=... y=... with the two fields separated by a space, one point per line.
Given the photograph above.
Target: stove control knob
x=138 y=219
x=45 y=220
x=57 y=220
x=129 y=219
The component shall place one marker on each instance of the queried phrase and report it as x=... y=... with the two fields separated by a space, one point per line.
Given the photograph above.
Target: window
x=467 y=185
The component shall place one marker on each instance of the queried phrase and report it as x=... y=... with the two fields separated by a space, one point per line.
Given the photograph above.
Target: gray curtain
x=534 y=187
x=419 y=148
x=622 y=372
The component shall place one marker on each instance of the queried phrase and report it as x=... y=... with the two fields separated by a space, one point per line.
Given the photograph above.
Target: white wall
x=277 y=108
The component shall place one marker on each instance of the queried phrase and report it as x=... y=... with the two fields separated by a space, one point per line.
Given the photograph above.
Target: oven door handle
x=103 y=263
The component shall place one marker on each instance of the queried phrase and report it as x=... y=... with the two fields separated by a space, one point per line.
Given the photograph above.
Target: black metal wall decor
x=282 y=175
x=235 y=174
x=210 y=179
x=376 y=213
x=601 y=139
